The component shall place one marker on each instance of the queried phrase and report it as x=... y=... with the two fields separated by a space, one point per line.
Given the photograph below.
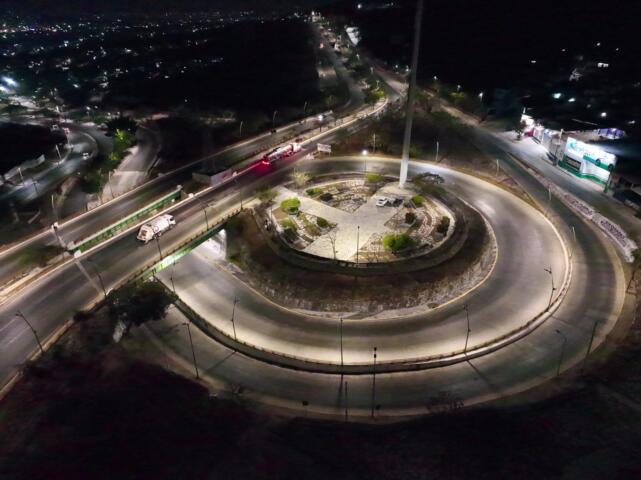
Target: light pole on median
x=95 y=268
x=358 y=231
x=549 y=270
x=341 y=333
x=204 y=207
x=158 y=244
x=193 y=352
x=233 y=321
x=274 y=118
x=240 y=130
x=565 y=339
x=33 y=330
x=467 y=335
x=374 y=384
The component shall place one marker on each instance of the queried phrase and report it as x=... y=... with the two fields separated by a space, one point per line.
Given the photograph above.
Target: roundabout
x=516 y=320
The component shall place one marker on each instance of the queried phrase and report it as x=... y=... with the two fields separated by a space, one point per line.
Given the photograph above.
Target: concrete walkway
x=351 y=228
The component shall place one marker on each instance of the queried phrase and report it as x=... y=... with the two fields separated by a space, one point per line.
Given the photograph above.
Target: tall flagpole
x=411 y=95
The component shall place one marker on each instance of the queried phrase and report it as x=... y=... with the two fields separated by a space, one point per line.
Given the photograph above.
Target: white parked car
x=381 y=201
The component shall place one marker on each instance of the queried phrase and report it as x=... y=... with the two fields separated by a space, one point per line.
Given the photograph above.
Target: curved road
x=518 y=289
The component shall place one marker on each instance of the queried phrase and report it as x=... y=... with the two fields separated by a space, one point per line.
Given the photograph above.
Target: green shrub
x=443 y=225
x=321 y=222
x=312 y=192
x=289 y=224
x=290 y=205
x=396 y=242
x=374 y=177
x=418 y=200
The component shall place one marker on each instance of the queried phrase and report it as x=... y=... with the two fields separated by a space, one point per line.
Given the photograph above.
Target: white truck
x=281 y=152
x=156 y=227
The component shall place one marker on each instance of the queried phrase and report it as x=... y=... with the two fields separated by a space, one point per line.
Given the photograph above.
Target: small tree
x=443 y=225
x=374 y=177
x=321 y=222
x=300 y=179
x=266 y=196
x=331 y=237
x=418 y=200
x=397 y=242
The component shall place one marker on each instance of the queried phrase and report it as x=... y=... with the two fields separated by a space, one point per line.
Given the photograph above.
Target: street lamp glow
x=572 y=100
x=481 y=96
x=3 y=89
x=604 y=114
x=10 y=81
x=365 y=152
x=557 y=95
x=320 y=118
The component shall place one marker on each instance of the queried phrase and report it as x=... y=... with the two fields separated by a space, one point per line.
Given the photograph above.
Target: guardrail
x=109 y=231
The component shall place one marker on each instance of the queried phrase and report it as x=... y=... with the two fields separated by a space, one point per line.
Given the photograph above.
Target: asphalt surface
x=595 y=295
x=517 y=291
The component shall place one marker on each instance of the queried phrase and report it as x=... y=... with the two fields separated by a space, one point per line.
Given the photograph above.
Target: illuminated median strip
x=108 y=232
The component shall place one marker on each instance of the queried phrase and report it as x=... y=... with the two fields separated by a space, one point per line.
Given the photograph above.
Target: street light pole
x=240 y=131
x=565 y=339
x=346 y=404
x=549 y=270
x=95 y=268
x=341 y=332
x=436 y=156
x=467 y=335
x=193 y=352
x=33 y=330
x=204 y=207
x=233 y=322
x=358 y=231
x=274 y=118
x=587 y=353
x=374 y=384
x=158 y=243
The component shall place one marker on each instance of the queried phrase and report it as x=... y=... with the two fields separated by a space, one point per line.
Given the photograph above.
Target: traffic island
x=423 y=249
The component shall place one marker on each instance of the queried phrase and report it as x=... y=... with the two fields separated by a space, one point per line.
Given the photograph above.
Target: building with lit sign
x=587 y=160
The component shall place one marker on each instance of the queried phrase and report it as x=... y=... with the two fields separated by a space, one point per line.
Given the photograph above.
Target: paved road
x=517 y=291
x=596 y=295
x=85 y=225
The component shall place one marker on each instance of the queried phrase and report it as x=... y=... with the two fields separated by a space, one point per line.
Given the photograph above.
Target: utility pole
x=467 y=335
x=274 y=118
x=436 y=156
x=76 y=259
x=110 y=186
x=158 y=243
x=358 y=231
x=596 y=322
x=33 y=330
x=374 y=384
x=411 y=95
x=102 y=284
x=341 y=332
x=193 y=352
x=497 y=168
x=549 y=270
x=240 y=131
x=233 y=321
x=565 y=339
x=346 y=404
x=374 y=143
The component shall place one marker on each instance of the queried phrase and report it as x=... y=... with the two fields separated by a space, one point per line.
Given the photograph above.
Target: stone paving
x=350 y=227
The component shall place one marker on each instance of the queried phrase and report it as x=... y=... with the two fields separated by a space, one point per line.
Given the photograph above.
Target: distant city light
x=533 y=61
x=359 y=6
x=572 y=100
x=604 y=114
x=557 y=95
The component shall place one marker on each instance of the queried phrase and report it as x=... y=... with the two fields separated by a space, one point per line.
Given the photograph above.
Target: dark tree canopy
x=139 y=303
